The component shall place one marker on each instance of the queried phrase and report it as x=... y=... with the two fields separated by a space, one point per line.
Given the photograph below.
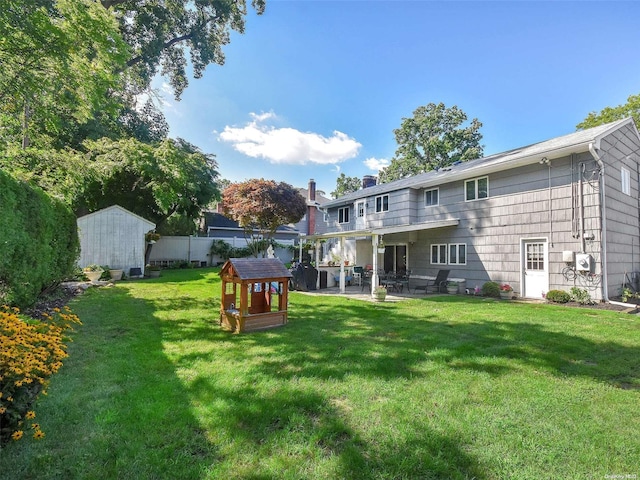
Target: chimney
x=311 y=193
x=368 y=181
x=311 y=209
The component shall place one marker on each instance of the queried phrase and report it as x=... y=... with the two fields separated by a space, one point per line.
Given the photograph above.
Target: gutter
x=603 y=241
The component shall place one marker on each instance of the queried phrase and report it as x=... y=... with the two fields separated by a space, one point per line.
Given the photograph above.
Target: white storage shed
x=115 y=237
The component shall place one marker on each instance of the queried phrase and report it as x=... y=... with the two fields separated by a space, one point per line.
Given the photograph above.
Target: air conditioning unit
x=584 y=262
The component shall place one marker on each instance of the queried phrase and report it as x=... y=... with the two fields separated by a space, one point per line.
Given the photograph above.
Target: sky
x=315 y=88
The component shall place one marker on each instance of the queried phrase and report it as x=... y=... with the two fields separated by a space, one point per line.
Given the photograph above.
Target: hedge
x=39 y=243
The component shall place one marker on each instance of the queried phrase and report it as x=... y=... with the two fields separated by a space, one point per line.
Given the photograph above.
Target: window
x=438 y=254
x=476 y=189
x=431 y=197
x=626 y=181
x=457 y=253
x=360 y=209
x=535 y=256
x=452 y=254
x=343 y=215
x=382 y=203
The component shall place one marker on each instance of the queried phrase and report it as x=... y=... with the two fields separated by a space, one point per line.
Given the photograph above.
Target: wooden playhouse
x=254 y=294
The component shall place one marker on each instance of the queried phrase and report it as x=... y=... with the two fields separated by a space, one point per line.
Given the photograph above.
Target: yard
x=441 y=387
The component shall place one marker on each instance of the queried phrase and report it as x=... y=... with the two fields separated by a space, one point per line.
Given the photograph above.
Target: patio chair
x=358 y=273
x=347 y=278
x=366 y=279
x=439 y=284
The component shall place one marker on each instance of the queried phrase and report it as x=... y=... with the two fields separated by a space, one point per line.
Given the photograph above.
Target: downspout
x=603 y=214
x=581 y=231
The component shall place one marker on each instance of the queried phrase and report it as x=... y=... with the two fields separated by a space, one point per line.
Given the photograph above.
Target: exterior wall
x=113 y=237
x=622 y=226
x=560 y=204
x=530 y=202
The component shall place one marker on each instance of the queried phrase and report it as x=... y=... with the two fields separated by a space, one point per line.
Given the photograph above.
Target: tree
x=161 y=33
x=260 y=207
x=611 y=114
x=433 y=138
x=153 y=181
x=57 y=58
x=346 y=185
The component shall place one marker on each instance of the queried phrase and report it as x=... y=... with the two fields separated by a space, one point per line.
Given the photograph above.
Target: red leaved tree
x=261 y=206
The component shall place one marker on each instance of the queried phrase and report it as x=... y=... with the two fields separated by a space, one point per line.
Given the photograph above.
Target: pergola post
x=374 y=275
x=342 y=279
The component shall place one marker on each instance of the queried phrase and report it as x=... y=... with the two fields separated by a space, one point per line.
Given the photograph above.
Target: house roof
x=219 y=221
x=120 y=209
x=320 y=198
x=255 y=268
x=554 y=148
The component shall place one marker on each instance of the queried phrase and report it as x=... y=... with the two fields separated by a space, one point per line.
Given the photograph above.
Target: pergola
x=376 y=234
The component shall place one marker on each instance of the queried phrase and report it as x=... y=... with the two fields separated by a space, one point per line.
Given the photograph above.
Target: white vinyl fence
x=195 y=250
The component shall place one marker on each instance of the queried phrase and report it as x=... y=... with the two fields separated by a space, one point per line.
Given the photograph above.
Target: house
x=115 y=237
x=220 y=227
x=552 y=215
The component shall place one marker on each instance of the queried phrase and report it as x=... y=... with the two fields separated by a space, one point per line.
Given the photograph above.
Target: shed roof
x=256 y=268
x=117 y=208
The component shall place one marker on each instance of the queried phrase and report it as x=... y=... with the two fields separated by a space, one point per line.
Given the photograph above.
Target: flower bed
x=30 y=352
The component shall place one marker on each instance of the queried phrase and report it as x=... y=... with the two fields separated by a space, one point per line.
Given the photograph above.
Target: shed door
x=535 y=268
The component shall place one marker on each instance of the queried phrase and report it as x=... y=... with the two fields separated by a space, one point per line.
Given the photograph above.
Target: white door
x=360 y=210
x=535 y=268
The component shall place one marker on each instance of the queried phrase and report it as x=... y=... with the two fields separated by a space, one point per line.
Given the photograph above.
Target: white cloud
x=376 y=164
x=288 y=145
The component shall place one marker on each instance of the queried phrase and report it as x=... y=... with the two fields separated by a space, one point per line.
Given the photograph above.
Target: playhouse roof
x=255 y=268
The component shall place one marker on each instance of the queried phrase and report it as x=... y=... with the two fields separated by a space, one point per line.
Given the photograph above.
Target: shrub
x=491 y=289
x=558 y=296
x=581 y=296
x=39 y=239
x=30 y=352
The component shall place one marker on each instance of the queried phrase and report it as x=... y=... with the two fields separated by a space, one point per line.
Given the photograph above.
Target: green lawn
x=442 y=387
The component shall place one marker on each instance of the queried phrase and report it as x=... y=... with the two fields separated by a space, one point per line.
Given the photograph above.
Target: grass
x=441 y=387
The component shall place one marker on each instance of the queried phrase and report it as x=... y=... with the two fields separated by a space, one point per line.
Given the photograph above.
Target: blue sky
x=315 y=88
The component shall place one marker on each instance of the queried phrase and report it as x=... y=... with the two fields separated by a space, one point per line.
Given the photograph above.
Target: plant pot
x=380 y=295
x=116 y=274
x=93 y=276
x=154 y=273
x=380 y=250
x=506 y=295
x=452 y=290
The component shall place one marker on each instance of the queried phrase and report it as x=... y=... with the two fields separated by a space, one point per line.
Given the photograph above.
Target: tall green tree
x=345 y=184
x=261 y=206
x=162 y=34
x=433 y=138
x=611 y=114
x=57 y=57
x=153 y=181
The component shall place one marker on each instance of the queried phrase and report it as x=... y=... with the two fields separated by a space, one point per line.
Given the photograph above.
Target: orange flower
x=17 y=435
x=30 y=415
x=38 y=435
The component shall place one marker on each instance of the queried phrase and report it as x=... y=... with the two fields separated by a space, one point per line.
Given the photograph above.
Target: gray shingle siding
x=527 y=200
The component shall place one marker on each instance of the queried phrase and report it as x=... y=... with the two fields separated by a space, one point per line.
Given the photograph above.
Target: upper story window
x=382 y=203
x=360 y=209
x=431 y=197
x=343 y=215
x=626 y=181
x=476 y=189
